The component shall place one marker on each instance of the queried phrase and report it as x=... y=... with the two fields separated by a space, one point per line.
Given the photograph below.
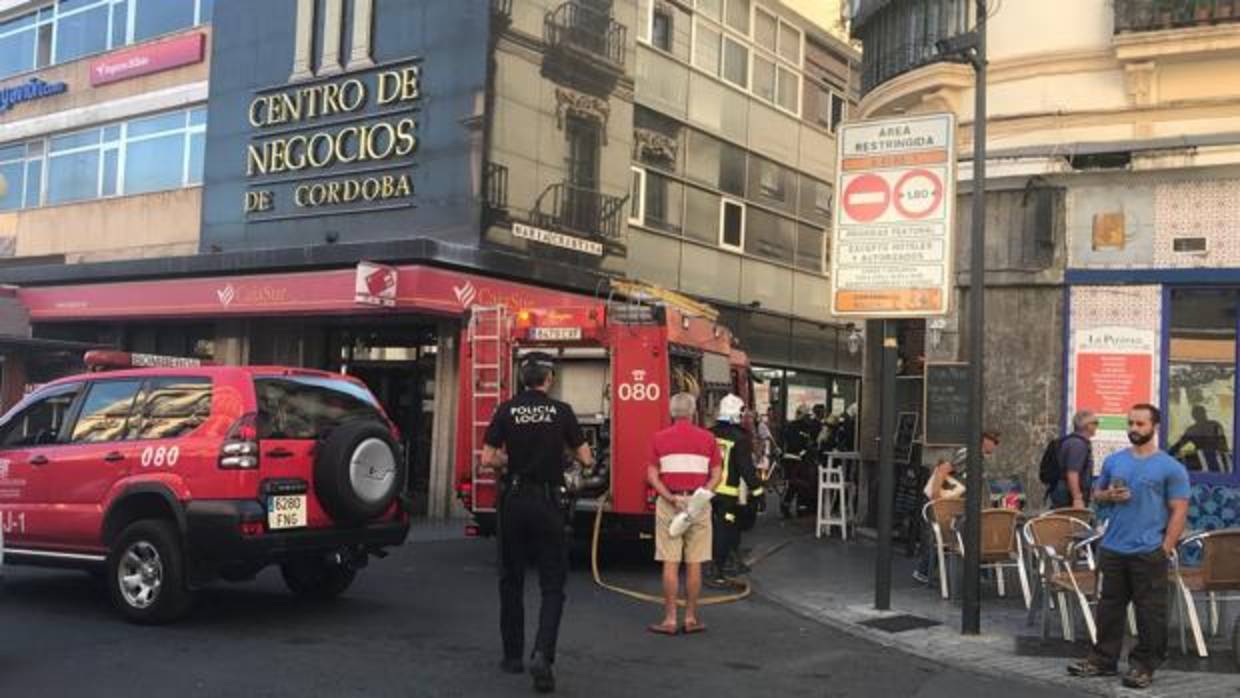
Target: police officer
x=526 y=440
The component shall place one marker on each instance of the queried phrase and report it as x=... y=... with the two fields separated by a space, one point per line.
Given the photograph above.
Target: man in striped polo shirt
x=683 y=458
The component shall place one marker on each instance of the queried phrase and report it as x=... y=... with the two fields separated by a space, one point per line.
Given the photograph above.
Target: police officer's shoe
x=512 y=666
x=540 y=669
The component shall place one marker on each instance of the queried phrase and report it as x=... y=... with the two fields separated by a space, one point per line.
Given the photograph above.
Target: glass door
x=1201 y=379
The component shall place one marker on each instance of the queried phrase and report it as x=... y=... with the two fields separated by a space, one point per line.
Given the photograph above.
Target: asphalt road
x=423 y=622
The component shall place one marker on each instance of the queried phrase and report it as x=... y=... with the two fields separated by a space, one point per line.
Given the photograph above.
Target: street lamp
x=970 y=47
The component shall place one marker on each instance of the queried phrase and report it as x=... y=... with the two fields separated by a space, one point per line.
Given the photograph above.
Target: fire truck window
x=106 y=412
x=40 y=423
x=171 y=407
x=307 y=408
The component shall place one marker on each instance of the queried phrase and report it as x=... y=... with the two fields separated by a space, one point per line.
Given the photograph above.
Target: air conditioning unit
x=1190 y=246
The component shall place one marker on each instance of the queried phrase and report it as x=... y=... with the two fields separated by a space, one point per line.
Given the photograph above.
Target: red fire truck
x=618 y=363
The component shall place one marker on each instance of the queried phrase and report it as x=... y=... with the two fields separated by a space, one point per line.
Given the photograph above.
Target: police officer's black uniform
x=535 y=429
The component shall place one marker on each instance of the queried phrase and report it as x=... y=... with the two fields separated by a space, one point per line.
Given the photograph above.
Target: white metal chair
x=832 y=499
x=1218 y=574
x=939 y=515
x=1001 y=549
x=1057 y=543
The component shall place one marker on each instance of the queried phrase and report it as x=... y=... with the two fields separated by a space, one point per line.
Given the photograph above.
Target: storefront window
x=82 y=32
x=159 y=152
x=84 y=27
x=155 y=17
x=1202 y=379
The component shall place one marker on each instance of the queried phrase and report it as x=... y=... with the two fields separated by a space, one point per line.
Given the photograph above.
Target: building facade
x=199 y=177
x=1112 y=162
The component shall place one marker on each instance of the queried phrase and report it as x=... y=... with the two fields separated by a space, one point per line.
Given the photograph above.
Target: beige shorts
x=692 y=546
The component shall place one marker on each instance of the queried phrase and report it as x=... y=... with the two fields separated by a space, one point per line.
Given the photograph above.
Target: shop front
x=398 y=328
x=1172 y=344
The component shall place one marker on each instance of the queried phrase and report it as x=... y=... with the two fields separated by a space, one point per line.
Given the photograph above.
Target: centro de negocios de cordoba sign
x=334 y=145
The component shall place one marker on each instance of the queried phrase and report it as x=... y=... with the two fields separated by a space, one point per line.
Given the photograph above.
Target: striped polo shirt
x=685 y=453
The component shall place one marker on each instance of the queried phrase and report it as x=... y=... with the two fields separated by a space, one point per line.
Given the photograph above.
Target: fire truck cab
x=617 y=365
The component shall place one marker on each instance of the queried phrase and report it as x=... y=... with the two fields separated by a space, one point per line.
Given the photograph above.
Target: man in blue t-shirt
x=1148 y=492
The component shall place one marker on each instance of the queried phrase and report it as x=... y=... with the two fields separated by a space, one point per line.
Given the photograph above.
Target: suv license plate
x=286 y=511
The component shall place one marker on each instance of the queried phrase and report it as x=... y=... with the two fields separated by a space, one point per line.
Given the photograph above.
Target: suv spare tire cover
x=358 y=471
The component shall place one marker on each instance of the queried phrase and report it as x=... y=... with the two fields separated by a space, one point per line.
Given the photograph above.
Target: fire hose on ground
x=712 y=600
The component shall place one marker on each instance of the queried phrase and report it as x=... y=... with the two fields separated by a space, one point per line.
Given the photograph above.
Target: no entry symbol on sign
x=918 y=194
x=866 y=198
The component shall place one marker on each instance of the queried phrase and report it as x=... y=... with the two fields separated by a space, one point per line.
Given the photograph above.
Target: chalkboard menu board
x=906 y=434
x=947 y=404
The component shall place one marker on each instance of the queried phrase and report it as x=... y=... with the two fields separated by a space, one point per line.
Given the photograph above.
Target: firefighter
x=736 y=449
x=800 y=459
x=526 y=442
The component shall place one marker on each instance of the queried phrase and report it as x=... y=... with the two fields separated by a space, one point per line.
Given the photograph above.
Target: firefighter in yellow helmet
x=738 y=488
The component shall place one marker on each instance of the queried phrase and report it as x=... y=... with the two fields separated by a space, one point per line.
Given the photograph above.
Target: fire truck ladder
x=487 y=326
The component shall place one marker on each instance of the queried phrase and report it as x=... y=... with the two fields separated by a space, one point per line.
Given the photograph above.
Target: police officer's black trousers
x=531 y=528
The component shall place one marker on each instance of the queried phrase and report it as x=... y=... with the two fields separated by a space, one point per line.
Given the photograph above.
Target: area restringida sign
x=892 y=242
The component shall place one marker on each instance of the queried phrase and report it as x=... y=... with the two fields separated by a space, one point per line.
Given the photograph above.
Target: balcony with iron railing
x=587 y=212
x=580 y=31
x=1157 y=15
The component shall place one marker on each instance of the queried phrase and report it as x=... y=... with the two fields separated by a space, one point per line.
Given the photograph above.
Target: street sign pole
x=891 y=258
x=886 y=469
x=971 y=621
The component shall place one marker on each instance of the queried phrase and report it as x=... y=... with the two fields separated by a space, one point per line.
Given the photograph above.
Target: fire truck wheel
x=313 y=578
x=146 y=573
x=358 y=472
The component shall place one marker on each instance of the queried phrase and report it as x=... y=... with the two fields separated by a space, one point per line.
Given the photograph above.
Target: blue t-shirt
x=1139 y=525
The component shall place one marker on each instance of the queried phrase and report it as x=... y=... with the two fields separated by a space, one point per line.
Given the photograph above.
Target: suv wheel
x=357 y=472
x=315 y=578
x=146 y=573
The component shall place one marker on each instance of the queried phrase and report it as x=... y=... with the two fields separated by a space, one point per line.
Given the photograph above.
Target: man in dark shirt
x=526 y=441
x=1076 y=463
x=1208 y=444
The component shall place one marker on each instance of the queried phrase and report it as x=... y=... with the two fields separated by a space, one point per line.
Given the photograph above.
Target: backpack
x=1050 y=471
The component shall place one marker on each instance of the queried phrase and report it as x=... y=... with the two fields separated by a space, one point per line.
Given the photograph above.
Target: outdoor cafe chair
x=1001 y=548
x=1087 y=517
x=939 y=515
x=1057 y=543
x=1218 y=574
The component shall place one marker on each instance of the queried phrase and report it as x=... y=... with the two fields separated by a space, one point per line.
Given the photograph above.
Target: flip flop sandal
x=692 y=628
x=661 y=629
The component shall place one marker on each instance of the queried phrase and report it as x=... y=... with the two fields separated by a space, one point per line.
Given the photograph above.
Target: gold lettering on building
x=347 y=136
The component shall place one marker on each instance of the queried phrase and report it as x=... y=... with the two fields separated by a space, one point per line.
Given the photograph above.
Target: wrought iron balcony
x=501 y=10
x=878 y=68
x=590 y=213
x=1157 y=15
x=583 y=31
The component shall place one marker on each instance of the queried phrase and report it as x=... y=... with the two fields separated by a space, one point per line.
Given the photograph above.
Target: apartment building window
x=154 y=153
x=664 y=203
x=811 y=248
x=637 y=187
x=70 y=29
x=815 y=200
x=732 y=225
x=706 y=47
x=745 y=45
x=738 y=15
x=771 y=184
x=661 y=28
x=770 y=236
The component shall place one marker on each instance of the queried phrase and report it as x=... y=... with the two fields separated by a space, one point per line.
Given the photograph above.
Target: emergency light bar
x=102 y=360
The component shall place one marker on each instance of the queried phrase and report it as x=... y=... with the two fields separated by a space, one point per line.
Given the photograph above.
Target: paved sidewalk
x=833 y=582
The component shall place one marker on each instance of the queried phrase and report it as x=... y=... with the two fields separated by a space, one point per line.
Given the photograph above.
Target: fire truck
x=618 y=362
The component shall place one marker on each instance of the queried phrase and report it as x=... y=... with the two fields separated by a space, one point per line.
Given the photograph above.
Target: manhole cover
x=900 y=623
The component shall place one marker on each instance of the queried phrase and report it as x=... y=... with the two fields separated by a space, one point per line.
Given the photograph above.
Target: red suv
x=164 y=479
